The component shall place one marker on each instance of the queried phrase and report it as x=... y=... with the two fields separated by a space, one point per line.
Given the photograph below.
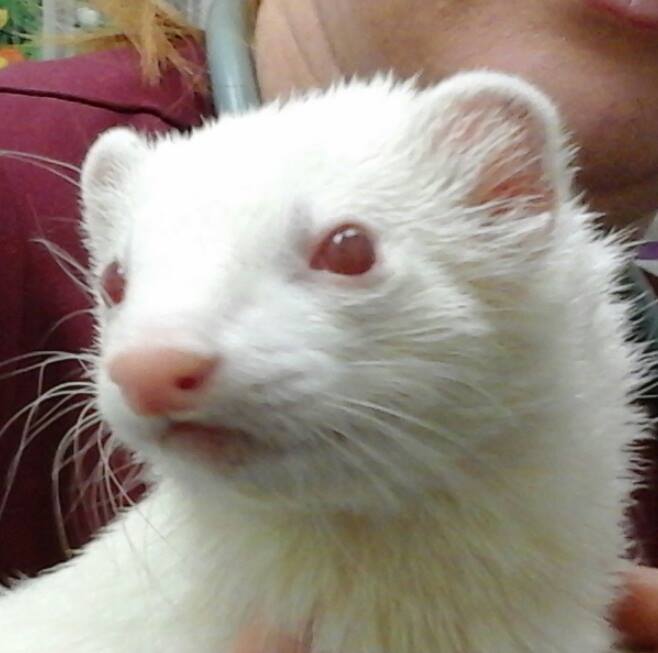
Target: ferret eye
x=113 y=284
x=346 y=250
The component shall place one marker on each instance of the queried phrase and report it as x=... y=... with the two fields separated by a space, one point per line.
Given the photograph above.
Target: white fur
x=479 y=374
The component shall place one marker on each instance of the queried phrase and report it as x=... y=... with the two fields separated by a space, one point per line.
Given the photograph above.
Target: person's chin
x=628 y=206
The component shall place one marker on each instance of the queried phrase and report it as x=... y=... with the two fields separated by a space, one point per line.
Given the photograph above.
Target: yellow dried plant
x=154 y=28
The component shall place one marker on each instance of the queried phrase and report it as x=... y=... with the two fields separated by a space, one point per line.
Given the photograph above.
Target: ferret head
x=303 y=303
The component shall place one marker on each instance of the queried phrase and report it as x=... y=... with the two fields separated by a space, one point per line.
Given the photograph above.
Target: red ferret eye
x=113 y=284
x=346 y=250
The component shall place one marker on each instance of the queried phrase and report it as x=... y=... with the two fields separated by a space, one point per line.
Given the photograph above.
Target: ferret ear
x=106 y=171
x=502 y=144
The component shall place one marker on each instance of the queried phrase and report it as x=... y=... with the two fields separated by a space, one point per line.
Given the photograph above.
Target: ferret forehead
x=325 y=151
x=203 y=212
x=347 y=122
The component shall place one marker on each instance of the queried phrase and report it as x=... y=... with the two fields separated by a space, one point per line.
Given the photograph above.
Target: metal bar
x=232 y=71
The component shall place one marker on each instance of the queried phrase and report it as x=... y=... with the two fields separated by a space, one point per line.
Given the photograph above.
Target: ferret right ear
x=106 y=170
x=500 y=142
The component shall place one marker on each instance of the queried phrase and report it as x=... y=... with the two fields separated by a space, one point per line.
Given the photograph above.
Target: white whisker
x=44 y=163
x=72 y=436
x=80 y=276
x=51 y=357
x=28 y=412
x=67 y=318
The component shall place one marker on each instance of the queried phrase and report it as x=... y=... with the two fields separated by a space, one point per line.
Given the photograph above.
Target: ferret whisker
x=66 y=318
x=114 y=486
x=69 y=266
x=86 y=490
x=49 y=358
x=37 y=354
x=32 y=432
x=27 y=436
x=42 y=158
x=72 y=443
x=25 y=442
x=44 y=163
x=83 y=424
x=64 y=256
x=81 y=447
x=34 y=425
x=367 y=407
x=91 y=493
x=65 y=389
x=103 y=480
x=108 y=500
x=437 y=378
x=401 y=439
x=77 y=457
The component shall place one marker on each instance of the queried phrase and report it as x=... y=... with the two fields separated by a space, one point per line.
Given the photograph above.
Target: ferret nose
x=159 y=381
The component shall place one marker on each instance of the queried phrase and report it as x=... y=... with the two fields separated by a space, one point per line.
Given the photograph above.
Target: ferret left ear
x=106 y=172
x=502 y=143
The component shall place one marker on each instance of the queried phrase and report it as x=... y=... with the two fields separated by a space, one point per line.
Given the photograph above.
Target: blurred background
x=27 y=27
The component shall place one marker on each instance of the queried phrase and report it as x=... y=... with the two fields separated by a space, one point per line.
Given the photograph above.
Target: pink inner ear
x=506 y=140
x=508 y=186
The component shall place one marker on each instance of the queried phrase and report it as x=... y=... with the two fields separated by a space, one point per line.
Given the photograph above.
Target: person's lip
x=640 y=13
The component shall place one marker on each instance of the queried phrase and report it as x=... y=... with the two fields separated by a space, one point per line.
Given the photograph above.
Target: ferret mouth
x=222 y=445
x=229 y=448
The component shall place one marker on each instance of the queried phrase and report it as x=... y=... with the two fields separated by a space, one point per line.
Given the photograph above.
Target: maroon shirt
x=56 y=109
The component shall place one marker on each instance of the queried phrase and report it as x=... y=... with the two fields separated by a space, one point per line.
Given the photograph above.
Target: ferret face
x=290 y=302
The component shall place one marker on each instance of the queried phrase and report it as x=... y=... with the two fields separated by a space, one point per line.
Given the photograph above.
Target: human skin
x=635 y=615
x=602 y=72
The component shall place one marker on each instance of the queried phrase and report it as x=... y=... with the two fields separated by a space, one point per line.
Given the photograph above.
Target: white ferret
x=369 y=344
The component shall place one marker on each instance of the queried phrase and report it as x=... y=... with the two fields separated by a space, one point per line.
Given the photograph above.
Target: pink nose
x=158 y=381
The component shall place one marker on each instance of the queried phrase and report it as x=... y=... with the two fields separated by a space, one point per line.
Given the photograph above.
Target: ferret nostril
x=189 y=382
